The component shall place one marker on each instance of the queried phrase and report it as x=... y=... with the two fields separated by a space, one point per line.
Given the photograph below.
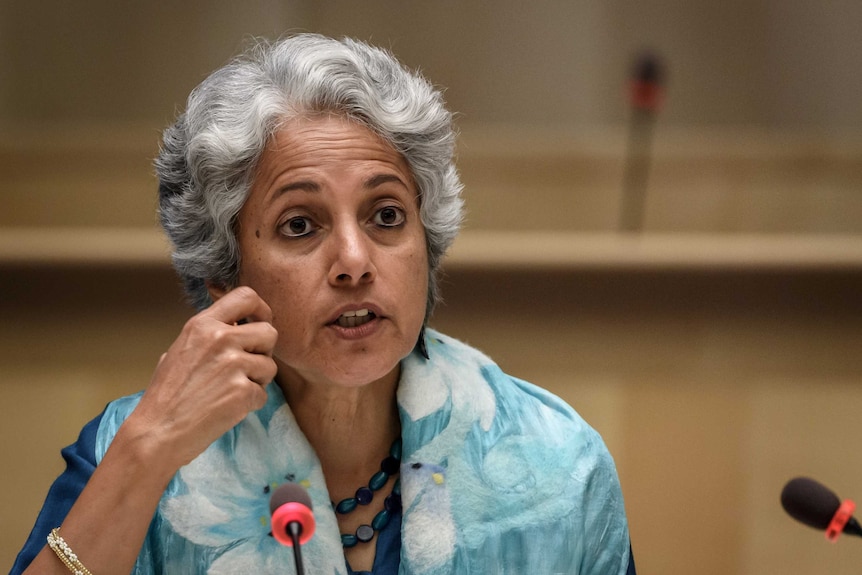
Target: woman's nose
x=352 y=262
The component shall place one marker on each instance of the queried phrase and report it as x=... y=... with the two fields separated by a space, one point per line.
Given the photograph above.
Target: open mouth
x=355 y=318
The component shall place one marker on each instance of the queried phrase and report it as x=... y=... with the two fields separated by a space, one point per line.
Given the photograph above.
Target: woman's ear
x=216 y=291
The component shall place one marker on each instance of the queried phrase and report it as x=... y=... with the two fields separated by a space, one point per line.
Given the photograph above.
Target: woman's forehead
x=303 y=145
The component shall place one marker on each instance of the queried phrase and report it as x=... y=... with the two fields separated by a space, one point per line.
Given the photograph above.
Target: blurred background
x=716 y=347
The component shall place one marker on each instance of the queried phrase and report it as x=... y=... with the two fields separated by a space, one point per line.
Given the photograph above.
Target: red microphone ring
x=288 y=512
x=840 y=519
x=645 y=95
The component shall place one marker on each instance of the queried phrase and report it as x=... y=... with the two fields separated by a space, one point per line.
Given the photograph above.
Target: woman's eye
x=296 y=227
x=389 y=216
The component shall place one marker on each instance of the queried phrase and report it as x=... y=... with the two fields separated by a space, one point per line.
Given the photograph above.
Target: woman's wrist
x=146 y=451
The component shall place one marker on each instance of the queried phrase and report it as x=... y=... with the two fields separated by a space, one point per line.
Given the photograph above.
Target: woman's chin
x=354 y=376
x=343 y=375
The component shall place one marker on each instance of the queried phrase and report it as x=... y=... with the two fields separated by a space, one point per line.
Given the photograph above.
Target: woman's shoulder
x=488 y=444
x=462 y=379
x=530 y=396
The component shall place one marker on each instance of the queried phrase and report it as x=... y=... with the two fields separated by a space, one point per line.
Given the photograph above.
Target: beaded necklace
x=365 y=495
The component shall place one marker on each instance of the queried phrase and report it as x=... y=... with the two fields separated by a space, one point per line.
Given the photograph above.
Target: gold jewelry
x=65 y=553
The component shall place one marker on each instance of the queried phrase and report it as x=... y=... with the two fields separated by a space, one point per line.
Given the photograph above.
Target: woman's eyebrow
x=299 y=185
x=380 y=179
x=314 y=187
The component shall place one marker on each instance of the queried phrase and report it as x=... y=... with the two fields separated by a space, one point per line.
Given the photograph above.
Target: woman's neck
x=350 y=428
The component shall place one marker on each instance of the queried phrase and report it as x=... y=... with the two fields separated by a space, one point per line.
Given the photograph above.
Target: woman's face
x=330 y=238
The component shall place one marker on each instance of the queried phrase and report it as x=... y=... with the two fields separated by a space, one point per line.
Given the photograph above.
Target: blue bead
x=364 y=496
x=348 y=540
x=395 y=450
x=390 y=465
x=365 y=533
x=346 y=505
x=392 y=503
x=380 y=520
x=378 y=480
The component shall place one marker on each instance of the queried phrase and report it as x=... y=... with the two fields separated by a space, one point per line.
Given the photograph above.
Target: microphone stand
x=294 y=529
x=637 y=170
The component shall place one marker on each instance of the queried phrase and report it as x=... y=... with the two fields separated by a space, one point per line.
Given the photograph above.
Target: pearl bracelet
x=65 y=553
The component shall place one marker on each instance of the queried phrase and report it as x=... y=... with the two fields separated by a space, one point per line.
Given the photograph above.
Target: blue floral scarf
x=497 y=476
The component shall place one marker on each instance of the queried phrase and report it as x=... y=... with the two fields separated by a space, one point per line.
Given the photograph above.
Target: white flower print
x=226 y=501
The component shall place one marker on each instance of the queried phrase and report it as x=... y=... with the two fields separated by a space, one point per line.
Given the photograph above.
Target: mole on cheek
x=257 y=233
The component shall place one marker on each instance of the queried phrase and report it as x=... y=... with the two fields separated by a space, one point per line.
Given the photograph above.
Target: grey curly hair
x=208 y=156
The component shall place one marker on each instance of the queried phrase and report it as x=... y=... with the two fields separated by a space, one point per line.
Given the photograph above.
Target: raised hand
x=210 y=378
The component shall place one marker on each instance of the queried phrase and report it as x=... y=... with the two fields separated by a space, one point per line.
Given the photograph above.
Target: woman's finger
x=240 y=304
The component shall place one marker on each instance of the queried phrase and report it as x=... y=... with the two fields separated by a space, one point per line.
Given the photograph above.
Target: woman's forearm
x=212 y=376
x=108 y=523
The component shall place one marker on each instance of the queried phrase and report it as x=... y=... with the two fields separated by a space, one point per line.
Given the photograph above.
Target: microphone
x=646 y=96
x=646 y=88
x=292 y=519
x=813 y=504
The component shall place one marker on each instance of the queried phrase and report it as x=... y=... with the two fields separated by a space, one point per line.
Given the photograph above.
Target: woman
x=310 y=193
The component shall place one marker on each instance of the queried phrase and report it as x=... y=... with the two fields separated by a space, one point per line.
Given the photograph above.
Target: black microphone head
x=809 y=502
x=648 y=68
x=646 y=83
x=289 y=493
